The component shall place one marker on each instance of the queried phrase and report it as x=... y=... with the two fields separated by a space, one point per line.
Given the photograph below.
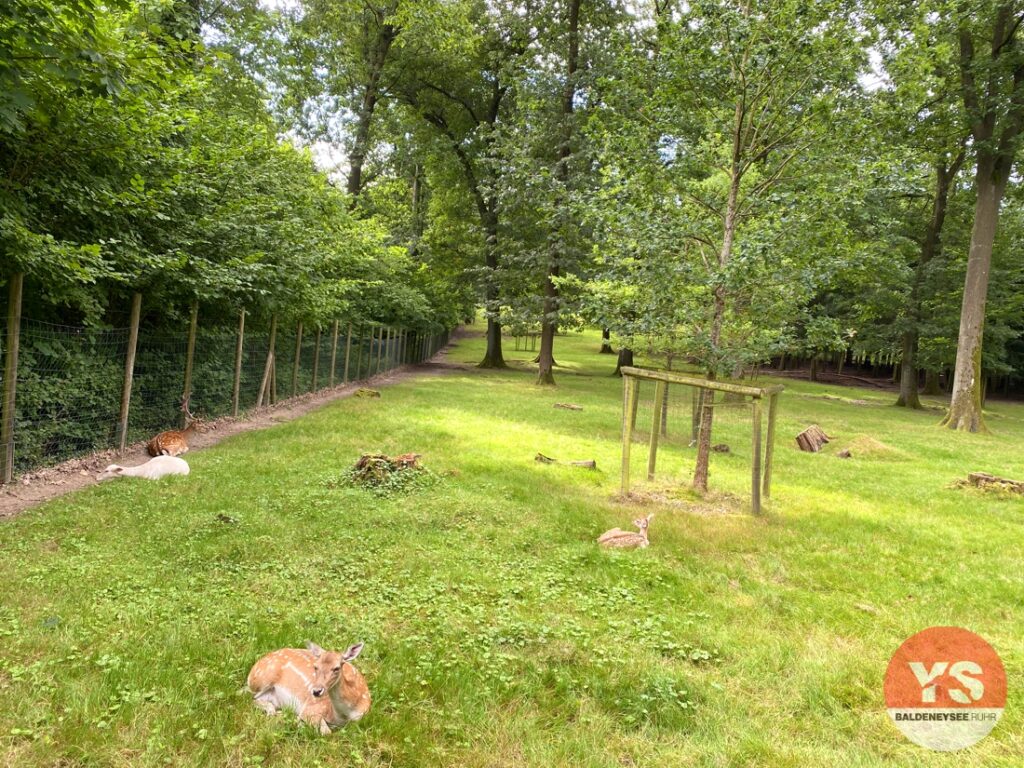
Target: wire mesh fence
x=68 y=395
x=69 y=391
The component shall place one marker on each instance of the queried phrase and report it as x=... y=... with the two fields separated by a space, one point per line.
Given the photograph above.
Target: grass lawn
x=497 y=633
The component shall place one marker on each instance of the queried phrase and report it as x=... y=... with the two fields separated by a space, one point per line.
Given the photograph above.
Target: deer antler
x=185 y=410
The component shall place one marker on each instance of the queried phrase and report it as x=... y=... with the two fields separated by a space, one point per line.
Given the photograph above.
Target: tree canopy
x=722 y=182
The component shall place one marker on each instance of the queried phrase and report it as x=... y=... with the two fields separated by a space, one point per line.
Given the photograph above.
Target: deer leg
x=267 y=701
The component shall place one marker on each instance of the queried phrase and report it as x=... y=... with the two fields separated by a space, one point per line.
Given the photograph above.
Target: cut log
x=588 y=463
x=985 y=480
x=811 y=439
x=720 y=448
x=366 y=392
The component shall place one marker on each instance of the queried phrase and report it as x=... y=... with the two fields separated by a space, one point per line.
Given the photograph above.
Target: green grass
x=497 y=633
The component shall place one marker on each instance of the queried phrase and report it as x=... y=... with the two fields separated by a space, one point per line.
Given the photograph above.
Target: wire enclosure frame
x=754 y=397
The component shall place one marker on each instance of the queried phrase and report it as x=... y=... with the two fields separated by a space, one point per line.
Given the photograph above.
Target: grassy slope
x=497 y=633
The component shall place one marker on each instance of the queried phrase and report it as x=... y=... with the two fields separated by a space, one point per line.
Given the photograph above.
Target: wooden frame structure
x=761 y=472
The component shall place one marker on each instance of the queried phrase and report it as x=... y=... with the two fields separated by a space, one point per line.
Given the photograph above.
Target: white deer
x=153 y=469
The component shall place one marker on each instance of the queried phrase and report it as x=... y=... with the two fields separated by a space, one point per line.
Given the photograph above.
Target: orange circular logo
x=945 y=688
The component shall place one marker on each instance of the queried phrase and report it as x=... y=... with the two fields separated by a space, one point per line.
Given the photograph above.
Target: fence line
x=69 y=391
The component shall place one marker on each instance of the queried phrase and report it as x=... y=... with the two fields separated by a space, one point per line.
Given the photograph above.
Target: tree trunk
x=606 y=344
x=700 y=471
x=965 y=403
x=931 y=383
x=377 y=55
x=930 y=246
x=625 y=360
x=549 y=322
x=707 y=413
x=546 y=360
x=493 y=356
x=908 y=375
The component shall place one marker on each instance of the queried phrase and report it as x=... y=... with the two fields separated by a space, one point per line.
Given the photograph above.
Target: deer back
x=289 y=671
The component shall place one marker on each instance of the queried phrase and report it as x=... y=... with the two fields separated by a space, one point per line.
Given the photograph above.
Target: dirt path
x=36 y=487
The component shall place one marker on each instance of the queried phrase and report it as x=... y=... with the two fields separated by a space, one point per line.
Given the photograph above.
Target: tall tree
x=992 y=88
x=549 y=317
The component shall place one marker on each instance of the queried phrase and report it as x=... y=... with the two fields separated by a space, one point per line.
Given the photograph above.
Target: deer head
x=333 y=670
x=643 y=523
x=114 y=470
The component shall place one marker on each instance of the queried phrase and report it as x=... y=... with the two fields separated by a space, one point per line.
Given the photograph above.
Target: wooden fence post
x=348 y=351
x=755 y=469
x=129 y=370
x=380 y=348
x=266 y=384
x=236 y=387
x=696 y=400
x=14 y=292
x=769 y=447
x=359 y=358
x=334 y=353
x=190 y=353
x=660 y=391
x=630 y=385
x=316 y=359
x=298 y=359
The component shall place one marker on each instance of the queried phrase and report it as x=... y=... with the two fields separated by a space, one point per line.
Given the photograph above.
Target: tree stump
x=811 y=439
x=985 y=480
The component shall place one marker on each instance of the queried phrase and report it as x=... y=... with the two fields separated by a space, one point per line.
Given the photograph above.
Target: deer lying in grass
x=153 y=469
x=174 y=442
x=620 y=539
x=321 y=687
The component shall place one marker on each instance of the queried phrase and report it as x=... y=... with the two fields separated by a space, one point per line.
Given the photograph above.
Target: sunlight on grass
x=497 y=632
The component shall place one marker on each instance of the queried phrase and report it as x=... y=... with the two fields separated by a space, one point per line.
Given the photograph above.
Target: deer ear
x=315 y=649
x=116 y=469
x=352 y=652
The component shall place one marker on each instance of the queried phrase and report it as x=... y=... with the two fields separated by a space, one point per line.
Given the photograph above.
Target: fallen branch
x=587 y=463
x=569 y=406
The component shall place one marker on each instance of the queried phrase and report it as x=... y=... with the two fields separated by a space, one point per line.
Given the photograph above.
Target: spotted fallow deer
x=322 y=687
x=620 y=539
x=174 y=442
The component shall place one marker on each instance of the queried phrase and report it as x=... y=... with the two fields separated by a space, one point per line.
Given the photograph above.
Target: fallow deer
x=153 y=469
x=174 y=442
x=322 y=687
x=620 y=539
